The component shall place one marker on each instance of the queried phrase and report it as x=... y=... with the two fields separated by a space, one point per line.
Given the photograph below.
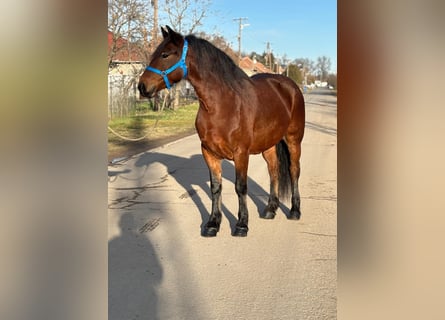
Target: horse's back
x=286 y=91
x=276 y=80
x=276 y=89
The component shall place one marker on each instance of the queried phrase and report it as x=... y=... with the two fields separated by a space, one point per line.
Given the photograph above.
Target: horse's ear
x=174 y=36
x=170 y=30
x=164 y=32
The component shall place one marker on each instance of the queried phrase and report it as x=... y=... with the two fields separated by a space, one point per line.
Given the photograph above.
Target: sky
x=295 y=28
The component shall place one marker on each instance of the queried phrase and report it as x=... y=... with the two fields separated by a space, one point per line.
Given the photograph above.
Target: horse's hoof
x=268 y=215
x=294 y=215
x=240 y=231
x=210 y=232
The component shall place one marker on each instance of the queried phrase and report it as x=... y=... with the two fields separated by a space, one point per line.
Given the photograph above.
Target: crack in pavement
x=137 y=191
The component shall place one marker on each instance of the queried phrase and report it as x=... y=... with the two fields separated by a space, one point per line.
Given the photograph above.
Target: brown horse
x=238 y=116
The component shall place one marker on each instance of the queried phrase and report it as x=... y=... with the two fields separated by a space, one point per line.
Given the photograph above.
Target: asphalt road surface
x=160 y=267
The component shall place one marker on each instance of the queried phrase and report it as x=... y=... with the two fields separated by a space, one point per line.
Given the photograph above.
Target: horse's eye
x=164 y=55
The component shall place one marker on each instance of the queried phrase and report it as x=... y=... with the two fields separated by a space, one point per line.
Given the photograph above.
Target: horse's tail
x=284 y=178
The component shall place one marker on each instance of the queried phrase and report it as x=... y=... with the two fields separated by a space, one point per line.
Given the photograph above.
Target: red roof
x=121 y=49
x=253 y=67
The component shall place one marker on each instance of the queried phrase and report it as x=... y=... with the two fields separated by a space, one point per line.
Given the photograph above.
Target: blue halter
x=180 y=64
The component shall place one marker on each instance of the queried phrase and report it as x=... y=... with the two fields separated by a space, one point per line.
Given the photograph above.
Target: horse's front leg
x=241 y=165
x=214 y=164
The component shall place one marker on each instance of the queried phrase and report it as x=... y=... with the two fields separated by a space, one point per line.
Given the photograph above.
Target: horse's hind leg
x=294 y=146
x=214 y=164
x=271 y=158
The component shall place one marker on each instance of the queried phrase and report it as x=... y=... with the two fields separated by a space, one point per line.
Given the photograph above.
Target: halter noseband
x=180 y=64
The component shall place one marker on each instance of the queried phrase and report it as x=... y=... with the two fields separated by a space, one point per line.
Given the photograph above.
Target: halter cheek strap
x=180 y=64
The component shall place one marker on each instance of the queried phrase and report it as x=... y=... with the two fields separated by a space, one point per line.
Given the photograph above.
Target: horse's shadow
x=193 y=175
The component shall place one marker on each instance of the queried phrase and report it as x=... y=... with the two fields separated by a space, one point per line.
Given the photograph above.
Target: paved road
x=161 y=268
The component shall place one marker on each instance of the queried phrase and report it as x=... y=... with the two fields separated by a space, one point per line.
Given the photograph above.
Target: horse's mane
x=214 y=62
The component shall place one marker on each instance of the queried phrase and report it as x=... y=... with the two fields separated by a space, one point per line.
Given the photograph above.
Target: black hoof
x=240 y=231
x=294 y=215
x=268 y=215
x=210 y=232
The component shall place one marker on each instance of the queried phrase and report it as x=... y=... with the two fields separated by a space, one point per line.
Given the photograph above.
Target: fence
x=122 y=95
x=124 y=99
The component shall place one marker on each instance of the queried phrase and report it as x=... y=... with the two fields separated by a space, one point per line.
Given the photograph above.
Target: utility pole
x=268 y=56
x=129 y=17
x=154 y=36
x=154 y=42
x=241 y=26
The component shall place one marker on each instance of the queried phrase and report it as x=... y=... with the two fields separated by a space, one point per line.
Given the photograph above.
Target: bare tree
x=129 y=20
x=186 y=15
x=323 y=66
x=306 y=66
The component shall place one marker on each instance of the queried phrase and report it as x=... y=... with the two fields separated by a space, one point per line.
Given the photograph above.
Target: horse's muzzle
x=144 y=92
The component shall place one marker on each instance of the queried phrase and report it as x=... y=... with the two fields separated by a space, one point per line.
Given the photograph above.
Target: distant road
x=161 y=268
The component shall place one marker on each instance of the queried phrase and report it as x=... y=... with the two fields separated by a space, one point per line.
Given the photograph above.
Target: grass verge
x=158 y=127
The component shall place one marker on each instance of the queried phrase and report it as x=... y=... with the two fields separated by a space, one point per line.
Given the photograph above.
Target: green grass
x=155 y=126
x=158 y=124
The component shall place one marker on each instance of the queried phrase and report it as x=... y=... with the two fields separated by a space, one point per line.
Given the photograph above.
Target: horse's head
x=167 y=64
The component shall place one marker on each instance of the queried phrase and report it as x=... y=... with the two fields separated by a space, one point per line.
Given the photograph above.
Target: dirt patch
x=125 y=149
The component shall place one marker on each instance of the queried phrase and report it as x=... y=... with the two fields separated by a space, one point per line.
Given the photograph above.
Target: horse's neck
x=207 y=90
